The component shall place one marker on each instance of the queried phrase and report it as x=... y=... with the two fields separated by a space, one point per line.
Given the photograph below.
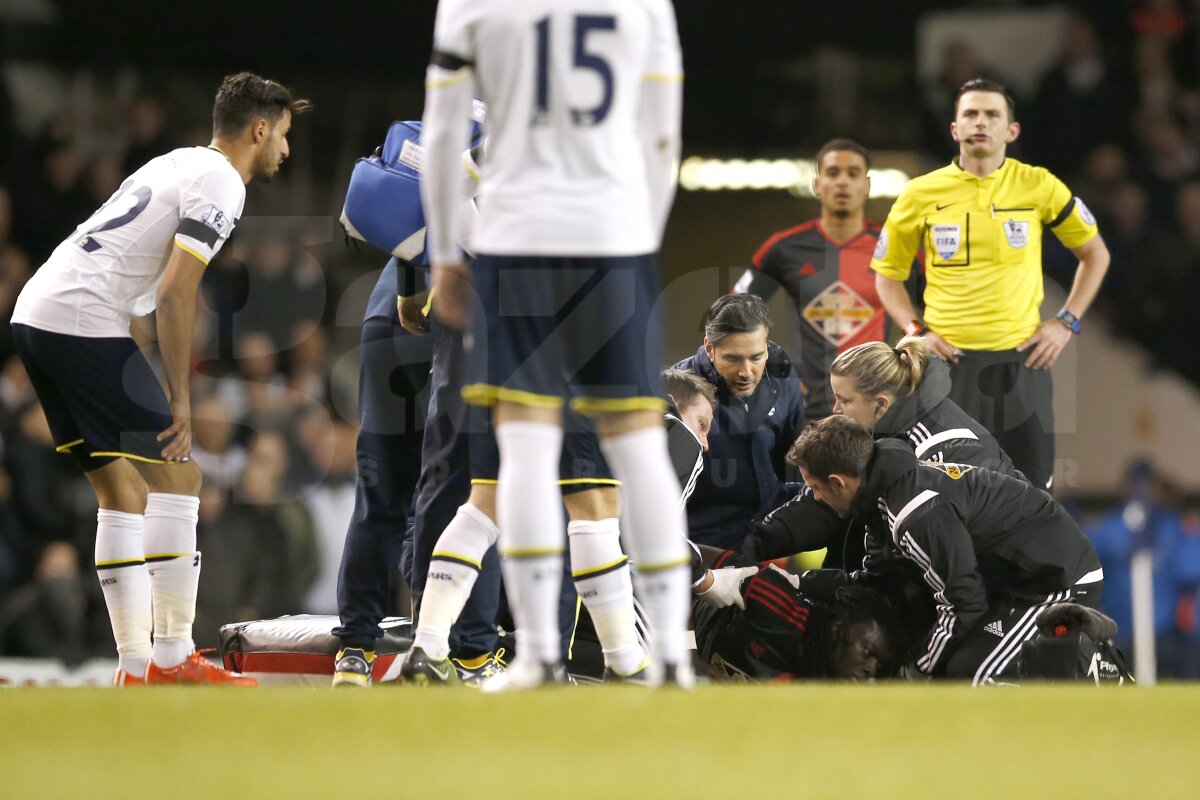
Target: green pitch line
x=602 y=742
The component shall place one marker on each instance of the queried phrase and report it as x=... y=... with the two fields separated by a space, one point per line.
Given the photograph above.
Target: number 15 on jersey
x=583 y=25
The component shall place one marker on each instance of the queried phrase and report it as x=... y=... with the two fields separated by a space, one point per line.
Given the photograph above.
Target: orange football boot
x=123 y=679
x=195 y=670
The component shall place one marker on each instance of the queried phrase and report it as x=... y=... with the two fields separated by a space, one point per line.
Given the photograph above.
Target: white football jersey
x=107 y=272
x=564 y=170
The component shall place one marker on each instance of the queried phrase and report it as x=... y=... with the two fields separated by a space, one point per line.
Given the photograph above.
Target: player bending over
x=145 y=250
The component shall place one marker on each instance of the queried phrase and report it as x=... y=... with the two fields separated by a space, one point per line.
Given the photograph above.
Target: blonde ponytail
x=877 y=368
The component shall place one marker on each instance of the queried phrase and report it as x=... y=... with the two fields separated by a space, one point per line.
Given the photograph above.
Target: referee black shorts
x=101 y=398
x=1014 y=402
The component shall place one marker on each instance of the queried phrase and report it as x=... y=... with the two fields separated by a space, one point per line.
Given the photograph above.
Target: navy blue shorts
x=101 y=398
x=553 y=329
x=581 y=465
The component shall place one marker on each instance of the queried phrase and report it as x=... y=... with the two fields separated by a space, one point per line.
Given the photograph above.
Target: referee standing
x=981 y=219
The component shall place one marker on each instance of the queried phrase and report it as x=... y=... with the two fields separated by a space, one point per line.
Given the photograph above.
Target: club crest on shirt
x=946 y=240
x=1016 y=232
x=1085 y=213
x=838 y=313
x=953 y=471
x=881 y=245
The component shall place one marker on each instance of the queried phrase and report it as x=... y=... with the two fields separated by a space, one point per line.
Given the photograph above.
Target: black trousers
x=392 y=397
x=444 y=485
x=990 y=651
x=1014 y=402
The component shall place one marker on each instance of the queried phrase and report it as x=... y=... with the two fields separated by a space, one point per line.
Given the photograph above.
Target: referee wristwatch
x=1072 y=322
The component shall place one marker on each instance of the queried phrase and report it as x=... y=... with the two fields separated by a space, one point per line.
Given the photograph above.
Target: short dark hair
x=686 y=388
x=835 y=445
x=245 y=96
x=987 y=85
x=735 y=313
x=836 y=145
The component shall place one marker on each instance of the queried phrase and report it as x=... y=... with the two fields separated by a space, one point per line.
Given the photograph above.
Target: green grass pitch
x=817 y=741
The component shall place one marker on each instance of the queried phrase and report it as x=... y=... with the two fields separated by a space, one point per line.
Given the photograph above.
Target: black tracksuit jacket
x=974 y=534
x=930 y=424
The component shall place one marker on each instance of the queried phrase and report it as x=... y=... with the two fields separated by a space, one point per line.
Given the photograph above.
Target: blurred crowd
x=1117 y=117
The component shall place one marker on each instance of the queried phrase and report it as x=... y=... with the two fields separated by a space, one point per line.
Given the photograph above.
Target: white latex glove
x=726 y=588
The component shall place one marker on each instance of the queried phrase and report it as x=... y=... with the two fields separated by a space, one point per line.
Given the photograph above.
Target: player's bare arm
x=142 y=330
x=176 y=316
x=895 y=299
x=1052 y=336
x=452 y=294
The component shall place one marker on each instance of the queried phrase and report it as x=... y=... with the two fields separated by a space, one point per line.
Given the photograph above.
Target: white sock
x=530 y=515
x=453 y=568
x=174 y=573
x=656 y=533
x=601 y=573
x=125 y=582
x=533 y=585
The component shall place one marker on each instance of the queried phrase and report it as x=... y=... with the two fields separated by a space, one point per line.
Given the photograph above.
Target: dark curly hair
x=853 y=603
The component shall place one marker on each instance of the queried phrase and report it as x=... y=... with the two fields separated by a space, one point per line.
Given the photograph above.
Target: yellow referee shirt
x=983 y=248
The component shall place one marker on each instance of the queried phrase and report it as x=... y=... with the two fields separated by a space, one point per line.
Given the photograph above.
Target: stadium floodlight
x=794 y=175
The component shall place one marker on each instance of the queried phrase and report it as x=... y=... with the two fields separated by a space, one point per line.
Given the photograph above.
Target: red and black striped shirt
x=833 y=289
